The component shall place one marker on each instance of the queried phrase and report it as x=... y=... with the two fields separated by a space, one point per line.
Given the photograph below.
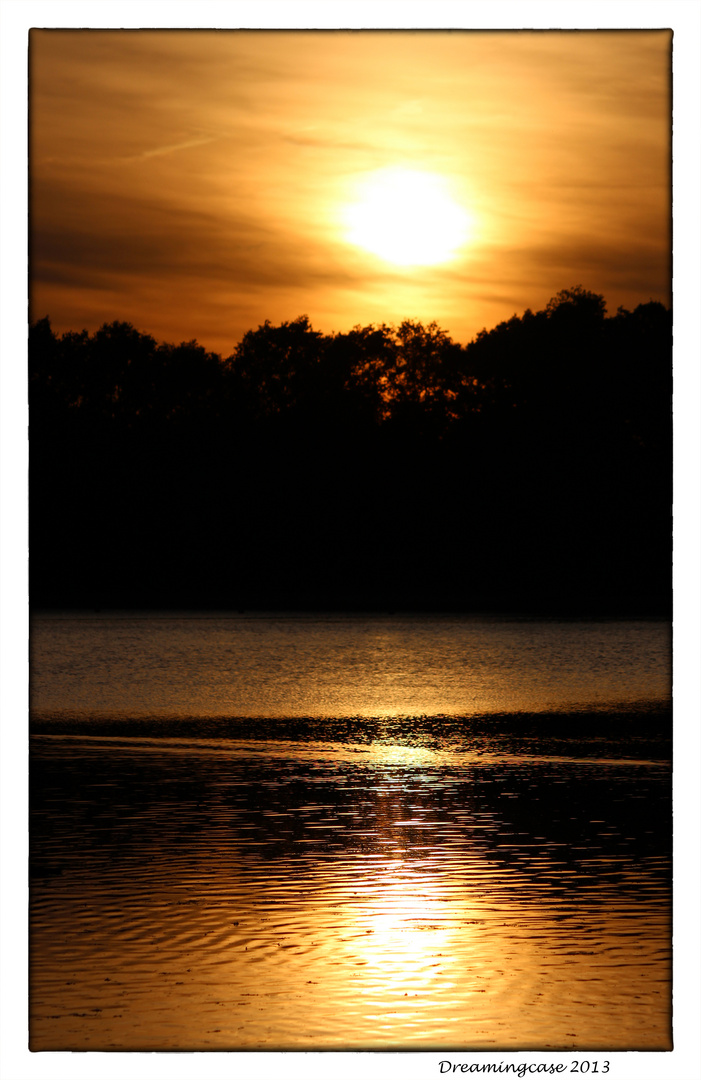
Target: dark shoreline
x=642 y=730
x=363 y=607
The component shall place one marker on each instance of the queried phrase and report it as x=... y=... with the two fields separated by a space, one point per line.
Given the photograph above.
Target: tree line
x=388 y=467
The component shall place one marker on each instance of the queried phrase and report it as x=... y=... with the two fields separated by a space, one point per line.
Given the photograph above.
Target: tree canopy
x=384 y=466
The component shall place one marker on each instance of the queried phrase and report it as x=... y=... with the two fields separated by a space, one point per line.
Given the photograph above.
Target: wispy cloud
x=196 y=180
x=172 y=148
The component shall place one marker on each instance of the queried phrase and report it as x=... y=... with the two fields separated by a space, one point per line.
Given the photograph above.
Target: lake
x=310 y=832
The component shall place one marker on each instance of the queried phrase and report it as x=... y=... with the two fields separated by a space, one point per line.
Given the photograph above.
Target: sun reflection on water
x=294 y=894
x=406 y=940
x=397 y=754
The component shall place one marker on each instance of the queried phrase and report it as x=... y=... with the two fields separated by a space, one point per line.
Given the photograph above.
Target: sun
x=407 y=217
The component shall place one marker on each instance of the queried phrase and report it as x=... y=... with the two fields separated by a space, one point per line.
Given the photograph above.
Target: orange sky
x=195 y=183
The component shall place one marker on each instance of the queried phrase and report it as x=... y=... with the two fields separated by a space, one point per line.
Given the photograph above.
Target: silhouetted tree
x=384 y=466
x=274 y=367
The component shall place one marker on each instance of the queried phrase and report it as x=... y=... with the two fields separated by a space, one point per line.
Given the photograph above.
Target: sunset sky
x=196 y=183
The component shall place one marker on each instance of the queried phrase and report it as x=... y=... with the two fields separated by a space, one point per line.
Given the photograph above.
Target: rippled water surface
x=339 y=666
x=267 y=857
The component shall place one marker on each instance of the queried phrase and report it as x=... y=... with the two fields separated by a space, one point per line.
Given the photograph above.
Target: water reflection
x=405 y=938
x=320 y=895
x=335 y=666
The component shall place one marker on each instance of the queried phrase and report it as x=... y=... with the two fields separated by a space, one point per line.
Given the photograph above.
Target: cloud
x=158 y=151
x=203 y=173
